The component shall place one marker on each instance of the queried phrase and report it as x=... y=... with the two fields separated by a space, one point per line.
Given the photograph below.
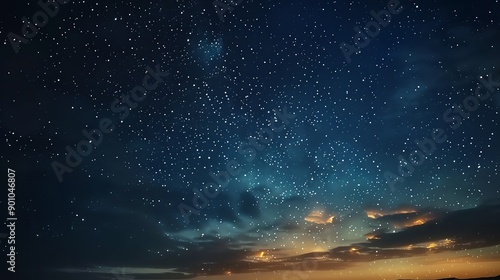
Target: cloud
x=319 y=217
x=404 y=216
x=469 y=228
x=375 y=213
x=446 y=231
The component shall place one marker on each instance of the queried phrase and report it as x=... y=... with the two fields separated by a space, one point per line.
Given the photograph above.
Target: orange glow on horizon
x=460 y=264
x=432 y=245
x=371 y=236
x=419 y=222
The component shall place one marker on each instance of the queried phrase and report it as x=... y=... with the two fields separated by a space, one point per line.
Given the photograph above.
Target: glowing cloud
x=319 y=217
x=404 y=217
x=374 y=214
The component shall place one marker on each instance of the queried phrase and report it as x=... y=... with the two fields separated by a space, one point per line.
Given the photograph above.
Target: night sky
x=294 y=140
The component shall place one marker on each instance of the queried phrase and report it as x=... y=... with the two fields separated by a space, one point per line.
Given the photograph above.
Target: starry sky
x=275 y=139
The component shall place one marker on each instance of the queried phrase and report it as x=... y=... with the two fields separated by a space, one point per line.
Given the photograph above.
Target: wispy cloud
x=442 y=231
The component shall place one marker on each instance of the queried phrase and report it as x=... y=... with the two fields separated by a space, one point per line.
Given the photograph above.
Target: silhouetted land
x=482 y=278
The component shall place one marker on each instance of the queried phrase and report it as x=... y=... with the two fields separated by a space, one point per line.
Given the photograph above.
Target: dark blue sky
x=300 y=141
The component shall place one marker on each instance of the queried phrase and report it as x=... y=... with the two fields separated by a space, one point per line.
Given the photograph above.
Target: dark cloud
x=469 y=228
x=456 y=230
x=403 y=220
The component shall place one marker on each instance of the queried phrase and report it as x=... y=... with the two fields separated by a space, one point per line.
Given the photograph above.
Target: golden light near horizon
x=261 y=256
x=432 y=245
x=444 y=243
x=419 y=222
x=371 y=236
x=461 y=264
x=441 y=244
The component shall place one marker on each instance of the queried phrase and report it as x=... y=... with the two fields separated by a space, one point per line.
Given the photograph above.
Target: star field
x=158 y=140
